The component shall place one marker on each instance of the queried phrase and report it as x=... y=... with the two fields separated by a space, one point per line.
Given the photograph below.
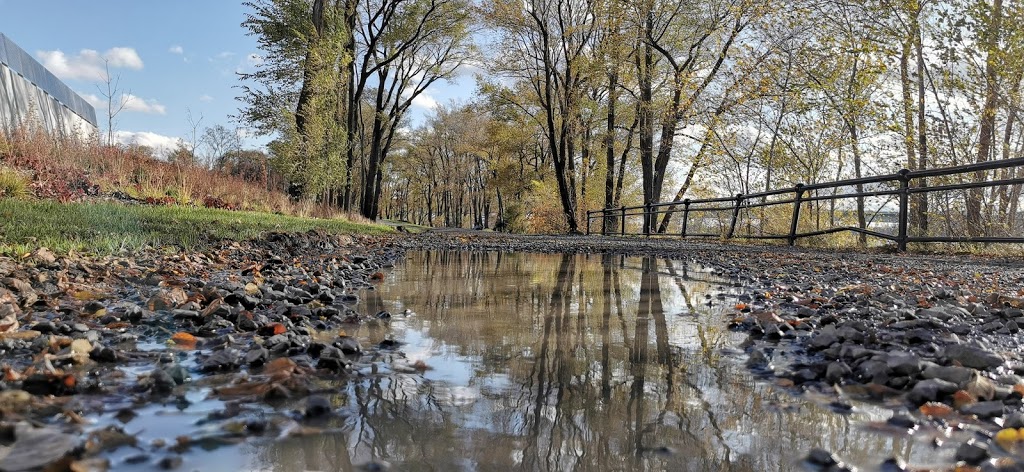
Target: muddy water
x=549 y=362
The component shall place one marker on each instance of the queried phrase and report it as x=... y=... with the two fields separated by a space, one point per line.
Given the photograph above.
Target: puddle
x=549 y=362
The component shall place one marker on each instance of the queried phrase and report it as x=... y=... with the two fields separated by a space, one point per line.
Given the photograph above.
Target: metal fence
x=728 y=217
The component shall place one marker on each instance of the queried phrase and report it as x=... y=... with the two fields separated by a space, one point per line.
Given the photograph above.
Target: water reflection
x=564 y=362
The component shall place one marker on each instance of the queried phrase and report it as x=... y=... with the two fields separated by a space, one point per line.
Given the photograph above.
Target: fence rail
x=900 y=187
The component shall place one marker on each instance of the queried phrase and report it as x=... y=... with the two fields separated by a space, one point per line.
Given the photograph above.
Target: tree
x=219 y=141
x=116 y=98
x=547 y=45
x=406 y=46
x=297 y=90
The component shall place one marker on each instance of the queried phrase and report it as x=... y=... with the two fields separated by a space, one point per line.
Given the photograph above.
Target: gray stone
x=162 y=381
x=931 y=390
x=939 y=313
x=757 y=359
x=348 y=345
x=317 y=405
x=904 y=364
x=954 y=374
x=224 y=359
x=837 y=371
x=822 y=341
x=872 y=369
x=257 y=356
x=893 y=464
x=972 y=453
x=821 y=457
x=971 y=356
x=984 y=409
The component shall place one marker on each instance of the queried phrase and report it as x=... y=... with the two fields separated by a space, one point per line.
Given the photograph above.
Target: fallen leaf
x=936 y=409
x=962 y=398
x=184 y=340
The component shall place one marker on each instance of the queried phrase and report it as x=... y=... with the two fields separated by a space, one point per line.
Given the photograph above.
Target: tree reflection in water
x=564 y=362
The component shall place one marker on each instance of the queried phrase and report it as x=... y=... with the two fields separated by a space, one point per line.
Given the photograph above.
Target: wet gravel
x=250 y=322
x=937 y=339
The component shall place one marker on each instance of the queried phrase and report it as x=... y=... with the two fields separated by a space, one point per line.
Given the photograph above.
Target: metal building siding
x=22 y=63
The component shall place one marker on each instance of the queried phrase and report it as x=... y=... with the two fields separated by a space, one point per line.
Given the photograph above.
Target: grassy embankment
x=105 y=228
x=51 y=188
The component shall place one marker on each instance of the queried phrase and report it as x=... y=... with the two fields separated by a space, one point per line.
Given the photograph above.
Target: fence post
x=735 y=215
x=686 y=216
x=588 y=223
x=623 y=219
x=901 y=236
x=797 y=200
x=647 y=220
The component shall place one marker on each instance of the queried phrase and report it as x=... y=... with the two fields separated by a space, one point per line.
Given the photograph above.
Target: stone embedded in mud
x=37 y=448
x=170 y=462
x=954 y=374
x=836 y=372
x=348 y=345
x=822 y=340
x=984 y=410
x=972 y=452
x=317 y=406
x=257 y=356
x=904 y=364
x=893 y=464
x=161 y=381
x=821 y=457
x=222 y=360
x=972 y=356
x=50 y=384
x=101 y=353
x=930 y=390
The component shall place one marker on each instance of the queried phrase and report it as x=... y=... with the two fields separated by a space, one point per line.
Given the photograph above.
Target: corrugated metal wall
x=30 y=93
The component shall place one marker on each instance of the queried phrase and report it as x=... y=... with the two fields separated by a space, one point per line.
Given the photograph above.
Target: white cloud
x=141 y=105
x=205 y=98
x=89 y=64
x=176 y=50
x=131 y=103
x=425 y=101
x=159 y=143
x=124 y=57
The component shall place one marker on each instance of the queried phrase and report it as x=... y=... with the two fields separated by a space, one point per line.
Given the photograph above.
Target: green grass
x=105 y=228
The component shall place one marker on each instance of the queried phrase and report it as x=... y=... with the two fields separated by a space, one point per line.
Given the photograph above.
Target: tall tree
x=547 y=44
x=408 y=45
x=294 y=91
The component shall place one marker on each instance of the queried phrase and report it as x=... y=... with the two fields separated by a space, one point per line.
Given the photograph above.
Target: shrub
x=13 y=184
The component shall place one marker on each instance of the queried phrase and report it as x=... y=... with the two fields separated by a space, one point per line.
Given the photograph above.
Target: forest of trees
x=589 y=104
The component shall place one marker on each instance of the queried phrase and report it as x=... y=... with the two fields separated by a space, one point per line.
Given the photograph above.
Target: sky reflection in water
x=566 y=362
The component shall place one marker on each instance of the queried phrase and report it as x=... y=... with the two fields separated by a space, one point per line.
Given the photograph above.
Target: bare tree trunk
x=922 y=124
x=988 y=118
x=609 y=221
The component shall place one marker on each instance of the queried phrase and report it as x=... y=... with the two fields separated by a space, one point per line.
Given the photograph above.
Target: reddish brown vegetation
x=70 y=170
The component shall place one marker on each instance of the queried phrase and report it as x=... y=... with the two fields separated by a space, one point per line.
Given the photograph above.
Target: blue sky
x=172 y=56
